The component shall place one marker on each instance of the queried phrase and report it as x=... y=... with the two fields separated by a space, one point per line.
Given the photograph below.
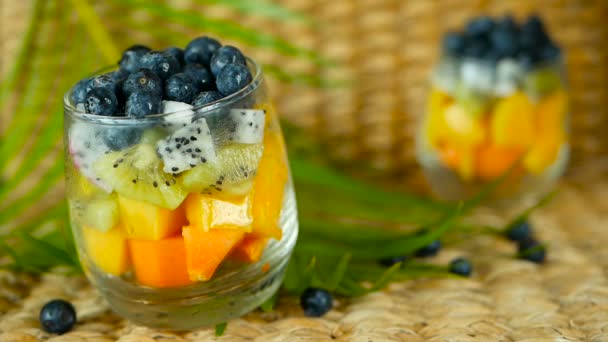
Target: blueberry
x=118 y=76
x=507 y=23
x=206 y=97
x=461 y=266
x=140 y=104
x=477 y=48
x=480 y=26
x=79 y=92
x=519 y=231
x=144 y=80
x=388 y=262
x=315 y=302
x=454 y=43
x=119 y=138
x=161 y=63
x=131 y=56
x=532 y=250
x=429 y=250
x=232 y=78
x=505 y=42
x=57 y=316
x=226 y=55
x=200 y=50
x=203 y=78
x=177 y=53
x=180 y=87
x=549 y=52
x=103 y=81
x=101 y=101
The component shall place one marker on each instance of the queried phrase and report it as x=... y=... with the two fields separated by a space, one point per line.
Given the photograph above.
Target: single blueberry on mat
x=200 y=50
x=388 y=262
x=140 y=104
x=119 y=138
x=57 y=316
x=129 y=61
x=206 y=97
x=232 y=78
x=315 y=302
x=461 y=266
x=180 y=87
x=532 y=250
x=519 y=231
x=225 y=55
x=177 y=53
x=429 y=250
x=203 y=79
x=162 y=64
x=79 y=92
x=101 y=101
x=144 y=80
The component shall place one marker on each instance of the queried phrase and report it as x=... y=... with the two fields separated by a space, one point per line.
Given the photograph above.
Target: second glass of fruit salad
x=497 y=106
x=178 y=184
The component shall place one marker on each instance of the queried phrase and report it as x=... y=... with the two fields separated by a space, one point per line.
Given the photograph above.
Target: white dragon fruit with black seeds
x=248 y=126
x=86 y=144
x=187 y=147
x=180 y=114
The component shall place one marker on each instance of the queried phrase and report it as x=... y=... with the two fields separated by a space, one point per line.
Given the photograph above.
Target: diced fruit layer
x=487 y=146
x=149 y=222
x=160 y=263
x=493 y=161
x=108 y=250
x=205 y=251
x=250 y=249
x=269 y=186
x=101 y=214
x=232 y=174
x=210 y=213
x=137 y=173
x=512 y=123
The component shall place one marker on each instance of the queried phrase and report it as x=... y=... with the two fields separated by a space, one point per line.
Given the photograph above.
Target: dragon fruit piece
x=187 y=147
x=248 y=126
x=180 y=114
x=85 y=145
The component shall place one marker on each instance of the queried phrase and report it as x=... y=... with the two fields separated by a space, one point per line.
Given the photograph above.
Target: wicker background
x=386 y=48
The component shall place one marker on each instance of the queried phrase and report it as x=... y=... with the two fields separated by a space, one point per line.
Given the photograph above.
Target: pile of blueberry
x=492 y=40
x=203 y=72
x=529 y=248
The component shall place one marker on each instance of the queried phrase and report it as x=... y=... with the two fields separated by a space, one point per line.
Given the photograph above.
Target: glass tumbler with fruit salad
x=178 y=184
x=497 y=106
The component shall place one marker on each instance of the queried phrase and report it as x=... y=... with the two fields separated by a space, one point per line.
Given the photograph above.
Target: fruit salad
x=497 y=106
x=177 y=178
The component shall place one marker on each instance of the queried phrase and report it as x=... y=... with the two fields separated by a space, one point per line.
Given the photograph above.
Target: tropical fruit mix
x=200 y=183
x=497 y=100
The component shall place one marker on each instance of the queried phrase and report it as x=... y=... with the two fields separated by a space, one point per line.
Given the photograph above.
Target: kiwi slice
x=137 y=173
x=231 y=175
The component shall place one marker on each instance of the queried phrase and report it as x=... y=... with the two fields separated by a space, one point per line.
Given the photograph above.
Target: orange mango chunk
x=205 y=251
x=512 y=122
x=108 y=250
x=149 y=222
x=463 y=128
x=160 y=263
x=435 y=128
x=211 y=213
x=250 y=249
x=269 y=186
x=493 y=161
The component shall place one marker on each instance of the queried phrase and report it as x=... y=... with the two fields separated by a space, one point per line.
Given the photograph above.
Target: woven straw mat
x=506 y=299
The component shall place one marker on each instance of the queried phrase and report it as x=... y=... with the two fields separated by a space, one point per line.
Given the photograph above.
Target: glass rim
x=201 y=111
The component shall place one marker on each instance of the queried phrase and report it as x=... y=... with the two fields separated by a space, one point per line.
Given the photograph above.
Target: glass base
x=231 y=293
x=447 y=185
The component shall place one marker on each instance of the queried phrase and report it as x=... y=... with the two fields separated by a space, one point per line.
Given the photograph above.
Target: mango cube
x=149 y=222
x=108 y=250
